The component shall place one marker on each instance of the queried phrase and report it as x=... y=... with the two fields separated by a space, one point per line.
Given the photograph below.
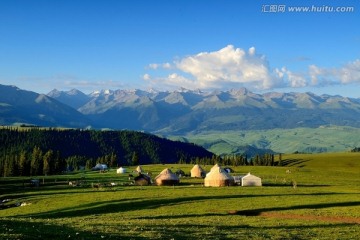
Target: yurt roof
x=167 y=174
x=217 y=173
x=139 y=169
x=197 y=166
x=215 y=166
x=249 y=175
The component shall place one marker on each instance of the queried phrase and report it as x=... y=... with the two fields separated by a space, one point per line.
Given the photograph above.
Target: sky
x=263 y=45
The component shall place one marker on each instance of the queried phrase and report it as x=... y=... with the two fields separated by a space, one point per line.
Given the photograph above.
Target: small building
x=197 y=171
x=250 y=180
x=167 y=177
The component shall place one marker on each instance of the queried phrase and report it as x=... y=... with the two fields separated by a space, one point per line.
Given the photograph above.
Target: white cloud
x=294 y=80
x=226 y=65
x=349 y=73
x=146 y=77
x=233 y=67
x=159 y=65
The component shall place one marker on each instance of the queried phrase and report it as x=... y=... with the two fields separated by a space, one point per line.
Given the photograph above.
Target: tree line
x=266 y=159
x=36 y=151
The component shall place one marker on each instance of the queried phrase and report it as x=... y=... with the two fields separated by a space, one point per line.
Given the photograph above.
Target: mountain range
x=183 y=112
x=177 y=112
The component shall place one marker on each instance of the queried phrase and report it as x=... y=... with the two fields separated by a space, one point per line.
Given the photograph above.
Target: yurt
x=139 y=169
x=100 y=167
x=215 y=166
x=197 y=171
x=217 y=177
x=142 y=180
x=167 y=177
x=121 y=170
x=250 y=180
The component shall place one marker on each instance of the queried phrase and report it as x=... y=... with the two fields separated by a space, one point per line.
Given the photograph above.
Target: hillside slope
x=124 y=147
x=25 y=107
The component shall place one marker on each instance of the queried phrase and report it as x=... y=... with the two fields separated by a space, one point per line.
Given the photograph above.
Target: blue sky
x=92 y=45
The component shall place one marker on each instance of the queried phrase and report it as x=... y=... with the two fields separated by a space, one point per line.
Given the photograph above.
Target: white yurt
x=167 y=177
x=100 y=166
x=250 y=180
x=197 y=171
x=218 y=177
x=121 y=170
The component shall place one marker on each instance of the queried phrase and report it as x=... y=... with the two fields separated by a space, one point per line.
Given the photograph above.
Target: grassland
x=322 y=139
x=315 y=196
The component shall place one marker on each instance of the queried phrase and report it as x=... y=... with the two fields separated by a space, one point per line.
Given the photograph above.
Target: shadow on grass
x=124 y=205
x=290 y=184
x=259 y=211
x=293 y=162
x=14 y=229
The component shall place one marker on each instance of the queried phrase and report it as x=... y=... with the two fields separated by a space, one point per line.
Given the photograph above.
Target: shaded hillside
x=76 y=147
x=25 y=107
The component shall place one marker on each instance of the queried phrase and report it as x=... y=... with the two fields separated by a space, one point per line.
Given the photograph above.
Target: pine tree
x=135 y=159
x=47 y=158
x=9 y=166
x=113 y=160
x=35 y=165
x=22 y=165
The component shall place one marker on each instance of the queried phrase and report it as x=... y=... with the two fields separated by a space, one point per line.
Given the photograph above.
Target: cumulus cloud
x=231 y=66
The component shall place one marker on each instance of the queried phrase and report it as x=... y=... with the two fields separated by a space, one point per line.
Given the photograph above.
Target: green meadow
x=314 y=196
x=308 y=140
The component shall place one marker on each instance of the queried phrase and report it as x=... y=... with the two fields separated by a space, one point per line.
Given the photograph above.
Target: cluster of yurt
x=220 y=177
x=217 y=177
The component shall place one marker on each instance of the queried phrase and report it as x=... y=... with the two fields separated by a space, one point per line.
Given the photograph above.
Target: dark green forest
x=37 y=151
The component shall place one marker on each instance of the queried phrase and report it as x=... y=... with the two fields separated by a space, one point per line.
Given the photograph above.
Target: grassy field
x=322 y=139
x=315 y=196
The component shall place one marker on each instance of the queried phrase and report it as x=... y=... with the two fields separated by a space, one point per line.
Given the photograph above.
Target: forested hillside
x=47 y=151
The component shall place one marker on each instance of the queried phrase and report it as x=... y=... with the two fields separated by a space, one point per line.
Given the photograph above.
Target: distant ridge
x=19 y=106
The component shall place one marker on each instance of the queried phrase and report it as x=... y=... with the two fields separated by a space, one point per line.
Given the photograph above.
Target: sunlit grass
x=324 y=204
